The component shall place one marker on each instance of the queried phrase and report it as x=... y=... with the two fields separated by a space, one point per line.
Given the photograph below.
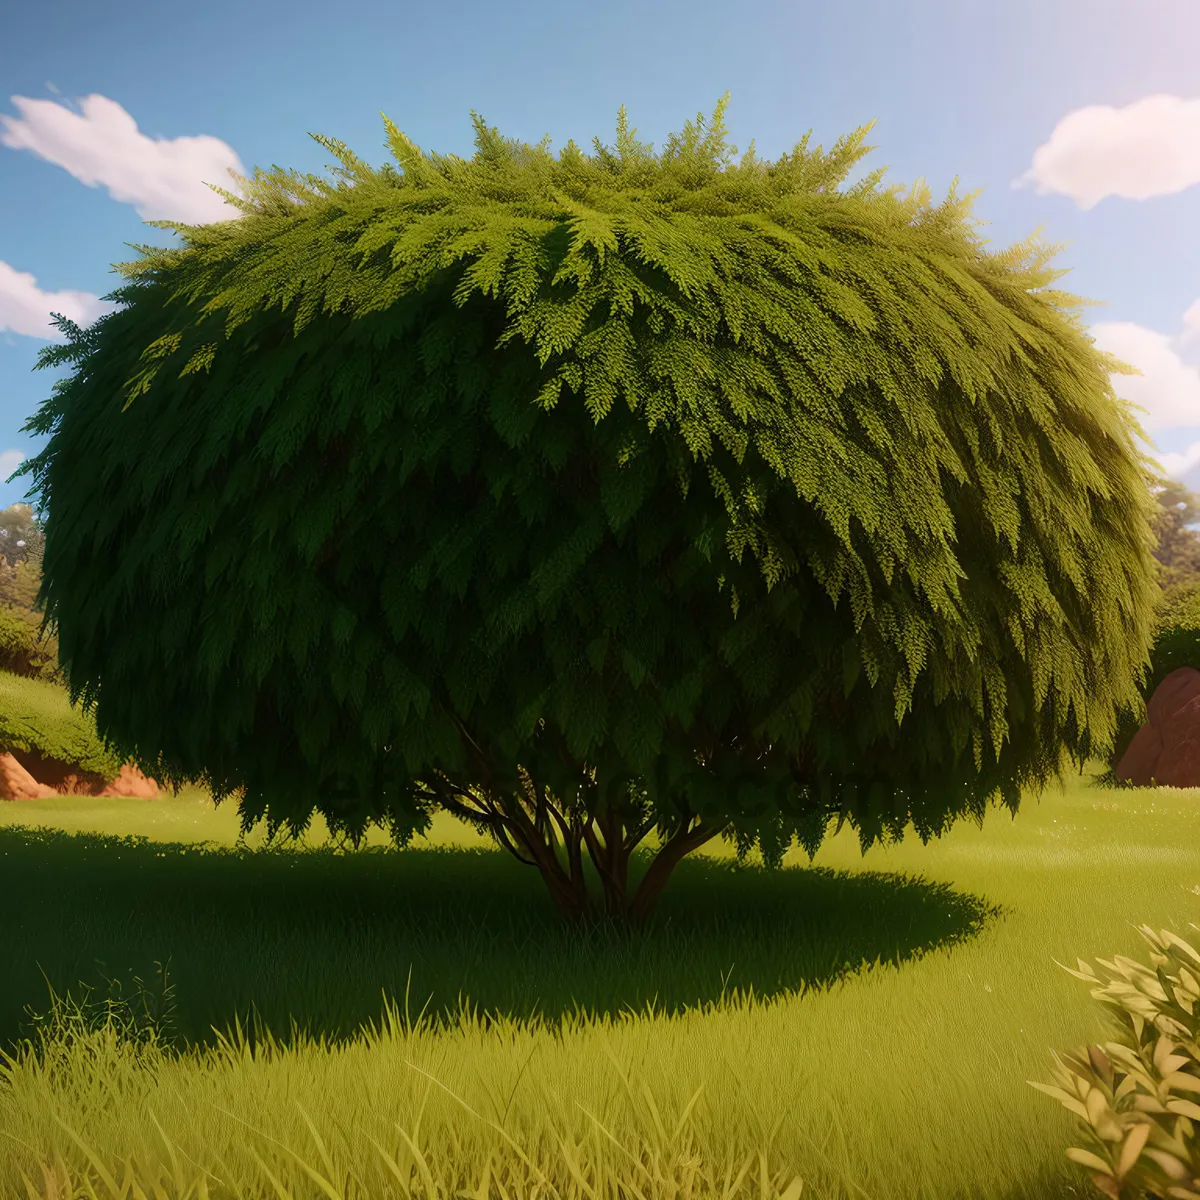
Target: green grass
x=869 y=1022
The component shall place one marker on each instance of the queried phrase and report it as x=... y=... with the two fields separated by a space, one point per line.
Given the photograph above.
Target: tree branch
x=547 y=860
x=490 y=815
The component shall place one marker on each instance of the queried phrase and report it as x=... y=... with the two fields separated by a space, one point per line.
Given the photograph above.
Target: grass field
x=867 y=1022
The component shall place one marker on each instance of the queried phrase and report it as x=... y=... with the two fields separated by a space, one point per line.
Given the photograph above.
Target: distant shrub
x=1133 y=1095
x=1179 y=607
x=1176 y=644
x=24 y=650
x=36 y=716
x=1176 y=634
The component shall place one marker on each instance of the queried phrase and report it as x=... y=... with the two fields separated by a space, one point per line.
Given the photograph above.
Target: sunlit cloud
x=1148 y=148
x=101 y=146
x=25 y=308
x=1168 y=388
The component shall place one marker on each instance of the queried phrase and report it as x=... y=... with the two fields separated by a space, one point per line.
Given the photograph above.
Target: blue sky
x=1080 y=116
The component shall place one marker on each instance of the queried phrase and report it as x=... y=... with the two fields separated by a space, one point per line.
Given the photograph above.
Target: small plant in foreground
x=155 y=1023
x=1128 y=1093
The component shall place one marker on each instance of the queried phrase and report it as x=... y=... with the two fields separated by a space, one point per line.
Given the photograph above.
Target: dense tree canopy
x=590 y=496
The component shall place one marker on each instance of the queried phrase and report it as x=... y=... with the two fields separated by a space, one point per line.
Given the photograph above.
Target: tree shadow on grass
x=312 y=940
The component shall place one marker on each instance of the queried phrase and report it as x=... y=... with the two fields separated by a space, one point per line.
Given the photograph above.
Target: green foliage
x=1136 y=1096
x=1179 y=606
x=38 y=716
x=1177 y=613
x=20 y=583
x=24 y=649
x=1177 y=633
x=1176 y=644
x=1177 y=548
x=21 y=534
x=678 y=483
x=27 y=647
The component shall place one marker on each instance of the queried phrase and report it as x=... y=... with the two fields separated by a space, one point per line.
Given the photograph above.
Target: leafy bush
x=37 y=717
x=1139 y=1124
x=1176 y=644
x=24 y=649
x=1177 y=553
x=1179 y=606
x=591 y=496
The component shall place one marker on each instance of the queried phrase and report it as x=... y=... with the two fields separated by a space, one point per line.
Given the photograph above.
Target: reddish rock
x=64 y=779
x=16 y=783
x=28 y=776
x=1166 y=750
x=1140 y=760
x=1176 y=690
x=131 y=782
x=1179 y=762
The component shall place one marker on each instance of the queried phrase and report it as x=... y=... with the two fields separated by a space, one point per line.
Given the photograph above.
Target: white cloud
x=1148 y=148
x=1179 y=463
x=10 y=460
x=163 y=178
x=1191 y=322
x=25 y=308
x=1168 y=388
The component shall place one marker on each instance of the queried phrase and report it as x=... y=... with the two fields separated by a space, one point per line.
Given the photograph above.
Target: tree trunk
x=680 y=844
x=568 y=888
x=611 y=861
x=570 y=900
x=532 y=835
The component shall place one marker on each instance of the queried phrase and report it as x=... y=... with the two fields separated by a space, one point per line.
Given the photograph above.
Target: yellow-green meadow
x=860 y=1027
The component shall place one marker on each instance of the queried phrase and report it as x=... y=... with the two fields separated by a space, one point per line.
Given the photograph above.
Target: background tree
x=1177 y=569
x=26 y=646
x=1177 y=546
x=21 y=533
x=595 y=496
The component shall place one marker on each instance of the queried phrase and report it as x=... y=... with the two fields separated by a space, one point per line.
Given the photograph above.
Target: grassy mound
x=36 y=717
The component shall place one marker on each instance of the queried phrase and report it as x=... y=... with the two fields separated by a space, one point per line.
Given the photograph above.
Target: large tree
x=594 y=496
